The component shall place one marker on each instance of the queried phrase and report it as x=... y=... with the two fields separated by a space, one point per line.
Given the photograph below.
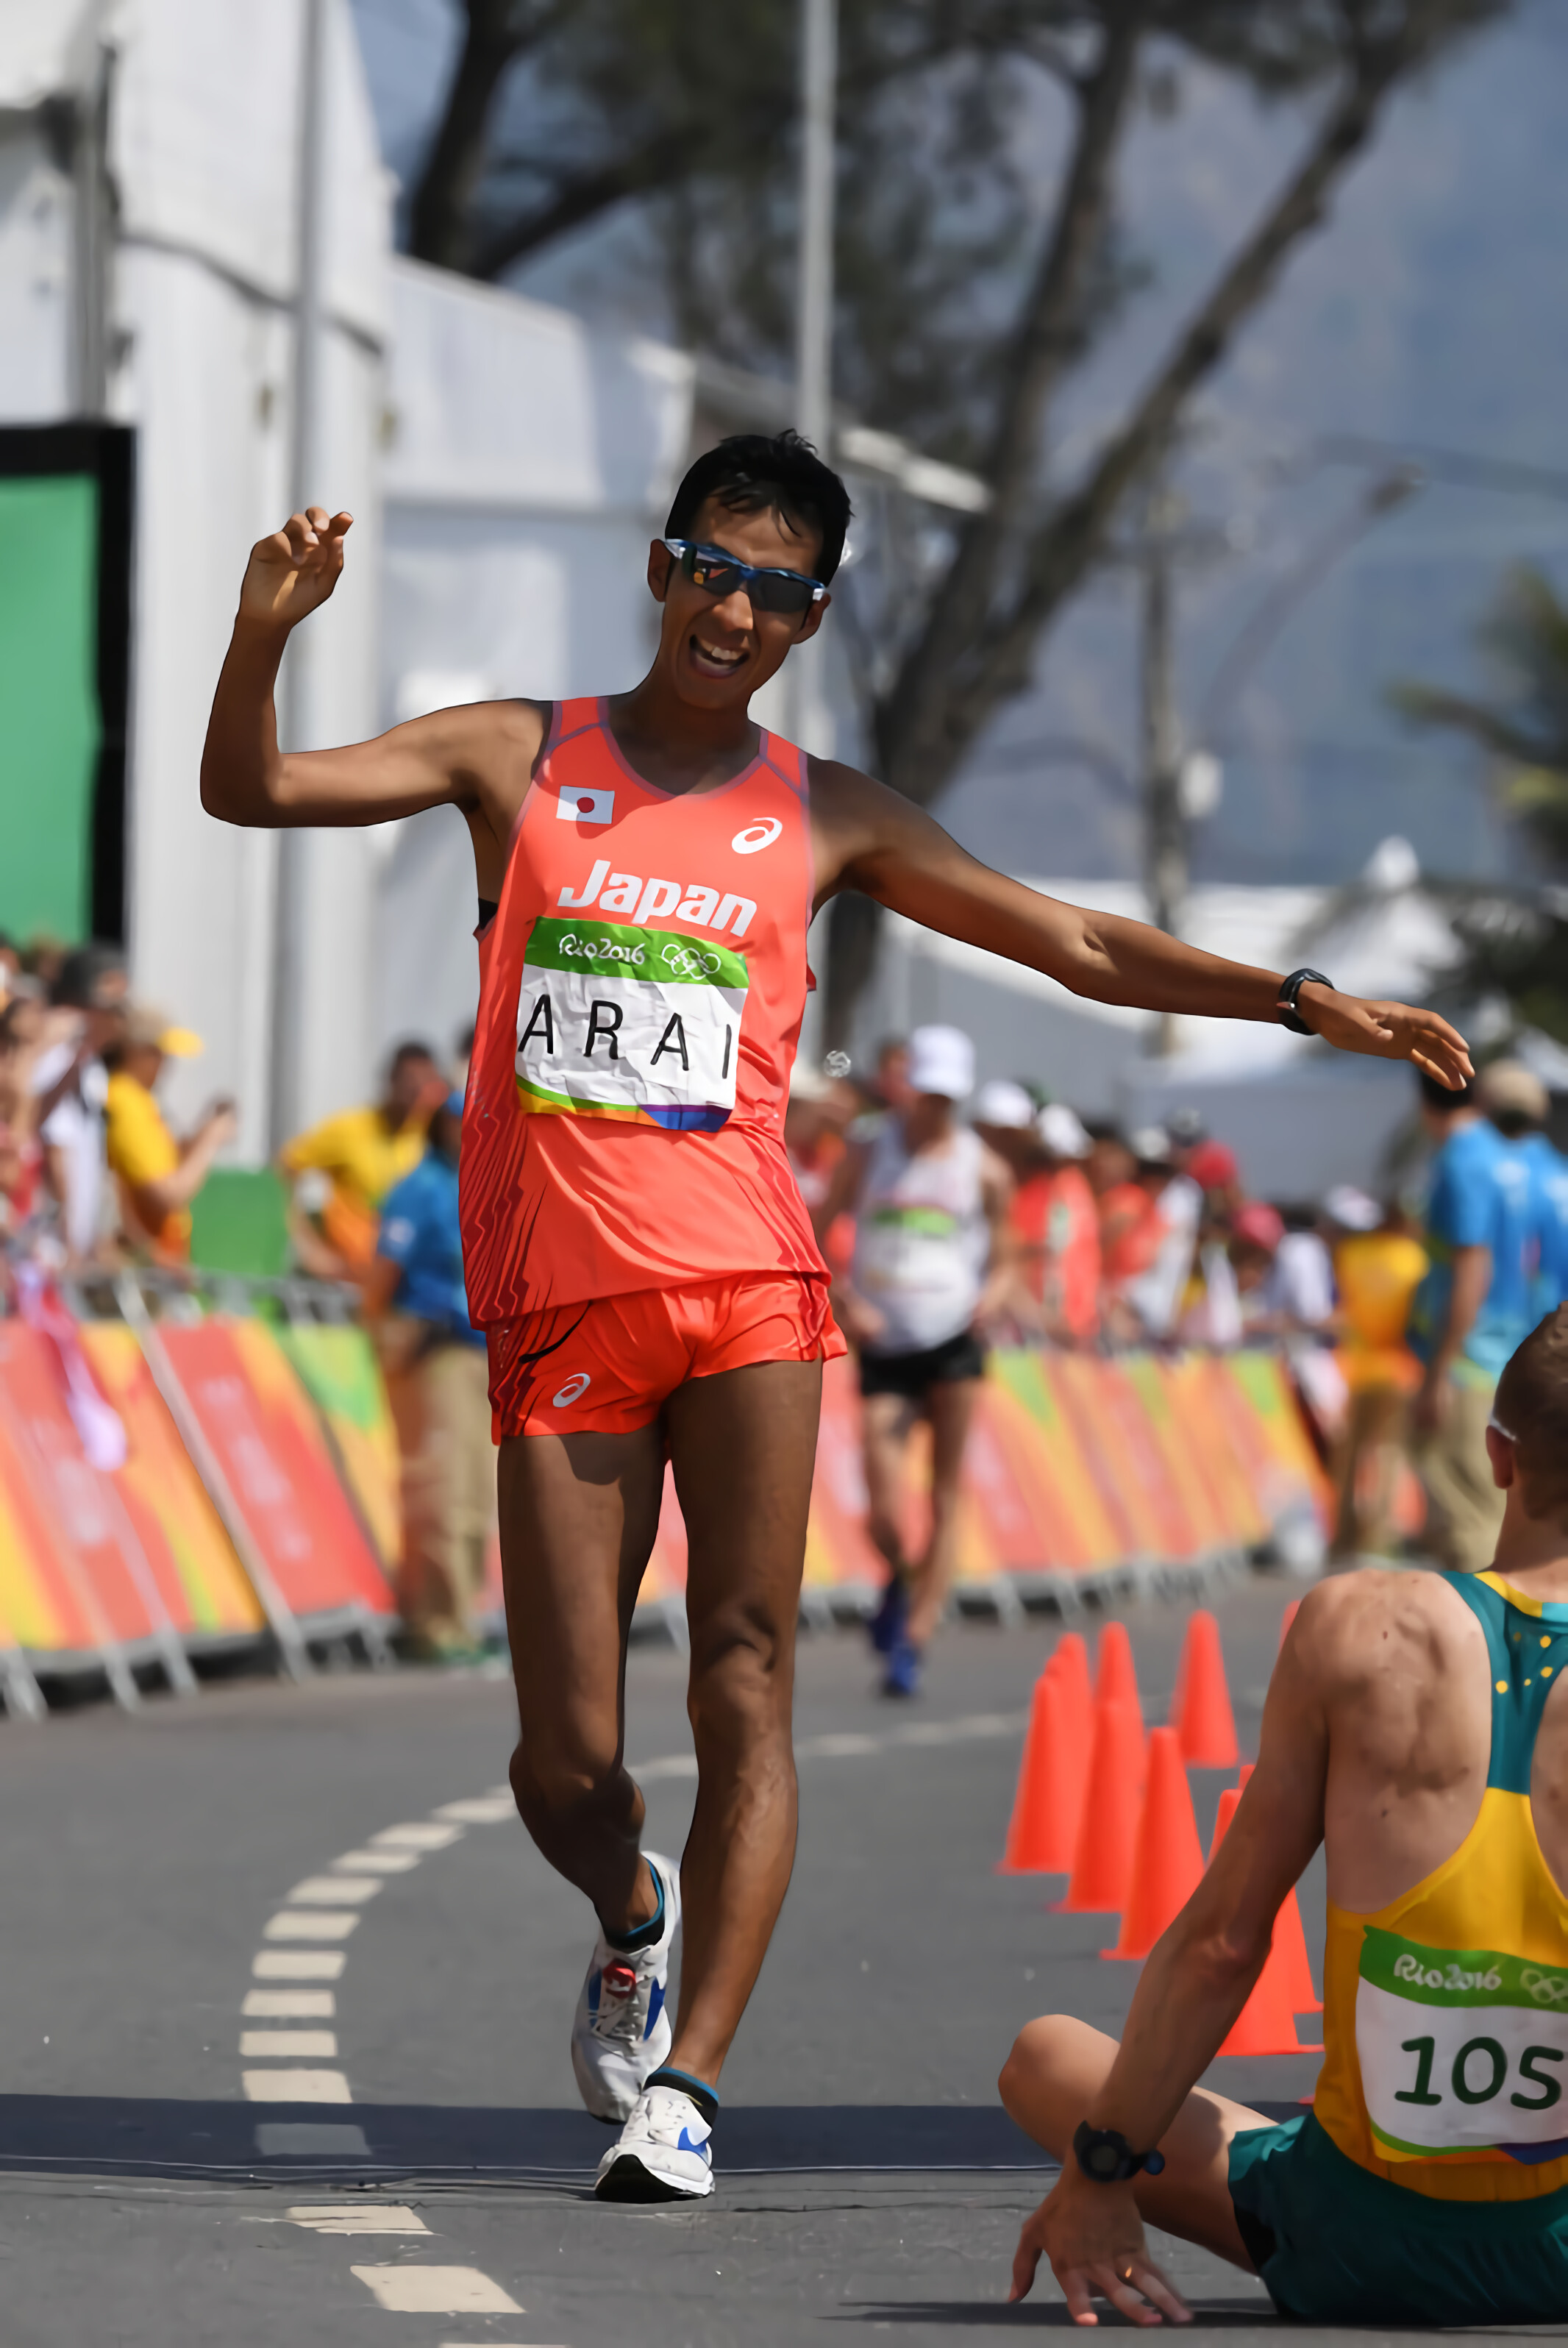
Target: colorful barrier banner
x=268 y=1450
x=338 y=1369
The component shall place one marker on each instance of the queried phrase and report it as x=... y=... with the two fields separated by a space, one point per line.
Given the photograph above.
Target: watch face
x=1104 y=2159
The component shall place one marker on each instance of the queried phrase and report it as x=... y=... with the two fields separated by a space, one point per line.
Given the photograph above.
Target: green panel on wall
x=49 y=724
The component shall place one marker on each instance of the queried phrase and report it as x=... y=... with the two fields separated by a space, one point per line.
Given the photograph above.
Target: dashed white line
x=334 y=1891
x=376 y=1862
x=293 y=2044
x=296 y=2087
x=298 y=1965
x=437 y=2290
x=309 y=1924
x=419 y=1834
x=289 y=2004
x=480 y=1809
x=356 y=2218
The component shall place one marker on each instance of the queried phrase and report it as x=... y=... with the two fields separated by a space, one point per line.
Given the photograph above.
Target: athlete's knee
x=740 y=1680
x=556 y=1774
x=1041 y=2056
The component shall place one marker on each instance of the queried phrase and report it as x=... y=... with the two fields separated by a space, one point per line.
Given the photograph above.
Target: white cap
x=1151 y=1145
x=1351 y=1208
x=1002 y=1102
x=1062 y=1130
x=809 y=1084
x=942 y=1060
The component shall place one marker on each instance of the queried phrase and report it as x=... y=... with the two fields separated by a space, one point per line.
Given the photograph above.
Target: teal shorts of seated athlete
x=1335 y=2244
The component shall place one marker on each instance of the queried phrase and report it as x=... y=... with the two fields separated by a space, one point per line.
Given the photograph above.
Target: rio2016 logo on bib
x=757 y=836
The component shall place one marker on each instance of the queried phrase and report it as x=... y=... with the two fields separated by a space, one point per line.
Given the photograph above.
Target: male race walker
x=635 y=1244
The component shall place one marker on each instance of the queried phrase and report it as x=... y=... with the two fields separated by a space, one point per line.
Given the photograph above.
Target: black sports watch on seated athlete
x=1285 y=1007
x=1106 y=2157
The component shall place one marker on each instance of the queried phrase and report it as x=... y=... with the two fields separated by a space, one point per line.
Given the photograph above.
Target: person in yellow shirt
x=356 y=1158
x=1378 y=1265
x=158 y=1175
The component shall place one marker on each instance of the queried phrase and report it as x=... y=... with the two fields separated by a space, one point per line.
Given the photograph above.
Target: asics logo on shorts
x=757 y=836
x=573 y=1390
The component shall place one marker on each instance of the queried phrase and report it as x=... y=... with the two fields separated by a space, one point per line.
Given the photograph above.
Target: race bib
x=907 y=1251
x=1460 y=2048
x=629 y=1023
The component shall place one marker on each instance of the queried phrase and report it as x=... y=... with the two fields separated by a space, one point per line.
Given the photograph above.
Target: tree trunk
x=440 y=229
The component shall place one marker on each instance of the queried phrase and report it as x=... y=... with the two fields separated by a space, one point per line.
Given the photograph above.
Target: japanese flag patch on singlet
x=616 y=1021
x=1460 y=2048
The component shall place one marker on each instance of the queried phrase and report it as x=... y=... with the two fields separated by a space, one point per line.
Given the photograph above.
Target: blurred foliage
x=1520 y=950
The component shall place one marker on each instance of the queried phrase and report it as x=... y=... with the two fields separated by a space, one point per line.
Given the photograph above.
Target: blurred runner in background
x=1056 y=1227
x=340 y=1171
x=416 y=1307
x=1378 y=1264
x=1483 y=1223
x=932 y=1261
x=158 y=1176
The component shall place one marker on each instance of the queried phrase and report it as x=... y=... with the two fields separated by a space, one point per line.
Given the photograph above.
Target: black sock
x=704 y=2098
x=642 y=1936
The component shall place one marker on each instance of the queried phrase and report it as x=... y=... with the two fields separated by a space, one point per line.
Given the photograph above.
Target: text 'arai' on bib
x=620 y=1021
x=1460 y=2048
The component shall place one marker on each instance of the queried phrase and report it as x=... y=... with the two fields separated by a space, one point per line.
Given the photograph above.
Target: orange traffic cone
x=1108 y=1830
x=1043 y=1830
x=1168 y=1859
x=1202 y=1710
x=1266 y=2023
x=1068 y=1661
x=1114 y=1679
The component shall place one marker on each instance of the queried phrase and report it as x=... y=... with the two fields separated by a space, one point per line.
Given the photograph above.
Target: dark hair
x=752 y=472
x=411 y=1049
x=82 y=973
x=1514 y=1124
x=1436 y=1095
x=1532 y=1404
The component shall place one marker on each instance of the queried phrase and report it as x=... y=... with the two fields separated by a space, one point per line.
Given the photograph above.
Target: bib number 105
x=1478 y=2071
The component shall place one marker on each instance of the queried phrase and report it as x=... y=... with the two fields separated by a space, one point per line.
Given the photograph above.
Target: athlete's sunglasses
x=720 y=574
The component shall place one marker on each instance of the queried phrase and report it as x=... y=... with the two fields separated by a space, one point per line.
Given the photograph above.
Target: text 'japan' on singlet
x=921 y=1238
x=1445 y=2014
x=643 y=982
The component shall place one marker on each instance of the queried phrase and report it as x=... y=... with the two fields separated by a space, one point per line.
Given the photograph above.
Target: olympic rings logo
x=690 y=962
x=1546 y=1989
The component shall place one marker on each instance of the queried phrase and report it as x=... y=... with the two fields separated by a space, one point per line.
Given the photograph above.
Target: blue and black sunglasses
x=720 y=574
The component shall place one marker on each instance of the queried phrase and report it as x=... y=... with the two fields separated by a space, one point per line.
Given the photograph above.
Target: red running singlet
x=643 y=982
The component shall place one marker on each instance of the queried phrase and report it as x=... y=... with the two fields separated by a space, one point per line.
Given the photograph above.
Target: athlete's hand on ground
x=295 y=570
x=1388 y=1031
x=1093 y=2237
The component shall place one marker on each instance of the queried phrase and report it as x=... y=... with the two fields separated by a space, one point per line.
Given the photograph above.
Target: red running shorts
x=610 y=1365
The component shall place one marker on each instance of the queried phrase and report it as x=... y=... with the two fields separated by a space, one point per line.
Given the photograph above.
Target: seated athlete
x=1416 y=1728
x=635 y=1245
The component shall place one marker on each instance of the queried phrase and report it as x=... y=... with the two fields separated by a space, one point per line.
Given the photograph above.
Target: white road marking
x=377 y=1862
x=289 y=2004
x=358 y=2218
x=334 y=1891
x=850 y=1745
x=421 y=1834
x=296 y=2087
x=481 y=1810
x=309 y=1924
x=835 y=1748
x=437 y=2290
x=291 y=2043
x=298 y=1965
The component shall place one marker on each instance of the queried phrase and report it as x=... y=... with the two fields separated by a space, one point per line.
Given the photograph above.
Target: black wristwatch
x=1105 y=2155
x=1285 y=1007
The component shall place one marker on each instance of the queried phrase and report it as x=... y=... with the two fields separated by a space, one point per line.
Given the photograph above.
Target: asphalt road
x=158 y=1880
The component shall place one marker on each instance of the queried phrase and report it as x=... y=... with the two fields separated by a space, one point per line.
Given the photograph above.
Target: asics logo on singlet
x=632 y=899
x=573 y=1390
x=756 y=836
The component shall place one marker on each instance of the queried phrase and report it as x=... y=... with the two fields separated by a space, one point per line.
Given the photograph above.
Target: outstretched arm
x=871 y=838
x=477 y=758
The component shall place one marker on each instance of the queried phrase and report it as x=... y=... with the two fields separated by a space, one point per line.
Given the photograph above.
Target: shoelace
x=617 y=2017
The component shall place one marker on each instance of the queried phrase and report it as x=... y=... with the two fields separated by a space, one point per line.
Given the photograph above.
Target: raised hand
x=295 y=570
x=1387 y=1031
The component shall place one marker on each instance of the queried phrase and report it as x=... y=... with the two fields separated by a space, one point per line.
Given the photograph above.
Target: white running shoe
x=661 y=2153
x=620 y=2031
